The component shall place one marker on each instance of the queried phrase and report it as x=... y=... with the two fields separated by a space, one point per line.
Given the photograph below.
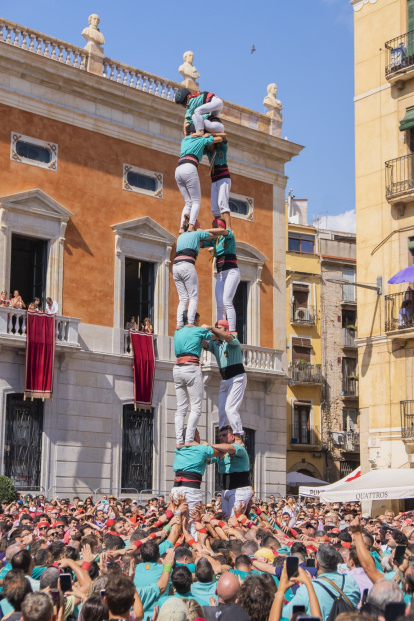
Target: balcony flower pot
x=354 y=377
x=351 y=328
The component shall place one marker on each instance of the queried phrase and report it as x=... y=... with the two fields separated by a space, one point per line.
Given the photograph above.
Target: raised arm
x=221 y=334
x=224 y=448
x=364 y=556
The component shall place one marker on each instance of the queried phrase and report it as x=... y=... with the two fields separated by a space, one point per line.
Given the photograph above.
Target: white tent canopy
x=298 y=478
x=389 y=484
x=316 y=491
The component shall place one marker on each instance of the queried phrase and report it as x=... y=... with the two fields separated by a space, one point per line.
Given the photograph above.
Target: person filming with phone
x=328 y=585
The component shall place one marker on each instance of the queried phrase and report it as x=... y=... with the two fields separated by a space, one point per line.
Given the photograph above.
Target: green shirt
x=147 y=574
x=238 y=462
x=243 y=575
x=195 y=146
x=164 y=546
x=190 y=340
x=220 y=150
x=193 y=103
x=226 y=353
x=149 y=596
x=205 y=590
x=224 y=244
x=192 y=458
x=191 y=239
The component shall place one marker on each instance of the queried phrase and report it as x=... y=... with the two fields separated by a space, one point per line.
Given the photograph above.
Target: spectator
x=227 y=591
x=181 y=580
x=17 y=300
x=15 y=591
x=4 y=300
x=52 y=307
x=256 y=598
x=94 y=609
x=327 y=565
x=383 y=592
x=37 y=607
x=121 y=596
x=23 y=561
x=173 y=609
x=205 y=586
x=357 y=572
x=147 y=326
x=131 y=325
x=35 y=306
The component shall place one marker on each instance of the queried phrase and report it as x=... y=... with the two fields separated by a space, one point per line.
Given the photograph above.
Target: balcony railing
x=13 y=325
x=304 y=435
x=350 y=387
x=399 y=310
x=309 y=374
x=348 y=337
x=302 y=315
x=351 y=441
x=400 y=55
x=399 y=178
x=407 y=419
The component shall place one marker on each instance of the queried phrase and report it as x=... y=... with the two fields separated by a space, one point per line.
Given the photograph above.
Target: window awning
x=408 y=121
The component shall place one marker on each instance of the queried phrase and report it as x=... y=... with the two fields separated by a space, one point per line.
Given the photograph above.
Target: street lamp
x=343 y=281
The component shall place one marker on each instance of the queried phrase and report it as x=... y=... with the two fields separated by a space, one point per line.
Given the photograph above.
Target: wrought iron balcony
x=350 y=386
x=400 y=179
x=351 y=441
x=348 y=337
x=302 y=372
x=13 y=327
x=400 y=61
x=301 y=315
x=304 y=435
x=407 y=419
x=399 y=311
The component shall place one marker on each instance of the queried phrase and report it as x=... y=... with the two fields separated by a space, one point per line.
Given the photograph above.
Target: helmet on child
x=181 y=95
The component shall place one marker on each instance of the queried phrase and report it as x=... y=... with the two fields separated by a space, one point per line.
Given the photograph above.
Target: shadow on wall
x=75 y=240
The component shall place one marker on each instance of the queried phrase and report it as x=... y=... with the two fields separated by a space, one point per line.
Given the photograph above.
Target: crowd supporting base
x=268 y=561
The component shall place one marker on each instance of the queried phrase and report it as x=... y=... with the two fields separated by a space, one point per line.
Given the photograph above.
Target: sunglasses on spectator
x=348 y=521
x=43 y=527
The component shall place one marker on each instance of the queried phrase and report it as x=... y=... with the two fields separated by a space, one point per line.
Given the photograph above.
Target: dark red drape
x=143 y=352
x=40 y=355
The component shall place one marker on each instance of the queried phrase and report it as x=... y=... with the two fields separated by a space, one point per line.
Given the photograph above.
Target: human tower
x=204 y=135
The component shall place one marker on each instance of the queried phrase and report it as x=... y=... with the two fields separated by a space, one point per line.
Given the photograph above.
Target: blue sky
x=305 y=46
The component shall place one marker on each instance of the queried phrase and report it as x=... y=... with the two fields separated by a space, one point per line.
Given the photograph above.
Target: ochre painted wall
x=88 y=182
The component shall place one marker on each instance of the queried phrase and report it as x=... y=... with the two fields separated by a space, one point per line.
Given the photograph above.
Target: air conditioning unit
x=302 y=314
x=338 y=438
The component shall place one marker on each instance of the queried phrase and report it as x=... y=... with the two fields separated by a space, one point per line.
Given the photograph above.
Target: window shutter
x=299 y=342
x=410 y=42
x=299 y=287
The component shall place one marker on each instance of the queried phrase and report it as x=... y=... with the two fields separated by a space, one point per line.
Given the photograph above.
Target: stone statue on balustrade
x=94 y=41
x=274 y=108
x=189 y=72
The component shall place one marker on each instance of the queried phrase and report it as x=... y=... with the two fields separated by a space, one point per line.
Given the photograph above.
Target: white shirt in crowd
x=52 y=310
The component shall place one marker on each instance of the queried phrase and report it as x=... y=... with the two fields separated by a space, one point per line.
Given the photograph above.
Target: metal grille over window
x=241 y=206
x=33 y=152
x=143 y=181
x=137 y=447
x=23 y=442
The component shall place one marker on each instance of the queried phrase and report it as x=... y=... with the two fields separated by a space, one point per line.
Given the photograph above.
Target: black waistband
x=219 y=172
x=187 y=252
x=234 y=480
x=226 y=262
x=186 y=160
x=231 y=371
x=194 y=481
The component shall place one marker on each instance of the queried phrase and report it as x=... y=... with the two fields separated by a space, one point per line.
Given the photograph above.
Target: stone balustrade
x=13 y=326
x=261 y=359
x=43 y=45
x=142 y=81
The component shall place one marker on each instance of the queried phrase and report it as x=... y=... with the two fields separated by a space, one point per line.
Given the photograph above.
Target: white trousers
x=220 y=193
x=188 y=183
x=230 y=399
x=188 y=382
x=231 y=498
x=186 y=281
x=226 y=287
x=214 y=106
x=193 y=497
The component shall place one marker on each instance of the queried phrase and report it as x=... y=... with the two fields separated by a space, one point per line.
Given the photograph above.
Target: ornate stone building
x=89 y=213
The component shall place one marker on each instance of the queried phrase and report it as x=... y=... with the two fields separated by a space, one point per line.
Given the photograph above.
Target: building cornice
x=358 y=4
x=54 y=90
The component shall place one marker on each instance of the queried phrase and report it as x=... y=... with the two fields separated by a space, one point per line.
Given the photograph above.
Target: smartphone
x=292 y=566
x=306 y=618
x=298 y=608
x=393 y=610
x=310 y=562
x=55 y=595
x=103 y=593
x=364 y=597
x=65 y=582
x=399 y=555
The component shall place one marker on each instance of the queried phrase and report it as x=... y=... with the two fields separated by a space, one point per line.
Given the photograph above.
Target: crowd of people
x=16 y=301
x=274 y=559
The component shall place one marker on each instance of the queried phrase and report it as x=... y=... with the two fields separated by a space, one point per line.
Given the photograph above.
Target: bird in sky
x=252 y=50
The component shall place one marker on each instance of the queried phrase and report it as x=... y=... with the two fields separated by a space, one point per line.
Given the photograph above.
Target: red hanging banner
x=143 y=352
x=40 y=355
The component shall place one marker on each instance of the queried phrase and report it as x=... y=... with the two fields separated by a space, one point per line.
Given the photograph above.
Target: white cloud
x=341 y=222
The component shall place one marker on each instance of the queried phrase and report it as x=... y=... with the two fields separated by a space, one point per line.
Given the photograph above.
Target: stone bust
x=187 y=69
x=270 y=101
x=92 y=34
